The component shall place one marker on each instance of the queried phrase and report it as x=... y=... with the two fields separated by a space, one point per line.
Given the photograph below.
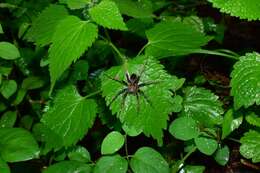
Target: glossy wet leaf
x=111 y=164
x=250 y=147
x=222 y=155
x=71 y=115
x=8 y=51
x=203 y=106
x=68 y=167
x=152 y=117
x=147 y=160
x=112 y=143
x=8 y=119
x=184 y=128
x=253 y=119
x=206 y=145
x=245 y=81
x=107 y=14
x=4 y=167
x=79 y=154
x=17 y=145
x=239 y=8
x=8 y=88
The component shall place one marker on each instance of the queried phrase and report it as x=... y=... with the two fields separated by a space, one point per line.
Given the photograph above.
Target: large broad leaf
x=4 y=167
x=147 y=160
x=107 y=15
x=203 y=106
x=151 y=114
x=206 y=145
x=245 y=81
x=70 y=40
x=111 y=164
x=112 y=143
x=250 y=147
x=44 y=25
x=17 y=144
x=240 y=8
x=68 y=167
x=71 y=115
x=174 y=38
x=8 y=51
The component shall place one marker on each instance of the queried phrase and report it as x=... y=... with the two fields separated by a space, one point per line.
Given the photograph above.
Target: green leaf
x=230 y=123
x=8 y=119
x=136 y=9
x=111 y=164
x=239 y=8
x=17 y=145
x=22 y=29
x=193 y=169
x=151 y=117
x=71 y=115
x=8 y=51
x=173 y=38
x=206 y=145
x=222 y=155
x=80 y=70
x=4 y=167
x=203 y=106
x=70 y=40
x=43 y=27
x=107 y=15
x=79 y=154
x=77 y=4
x=1 y=29
x=68 y=167
x=8 y=88
x=147 y=160
x=245 y=81
x=250 y=147
x=184 y=128
x=253 y=119
x=112 y=143
x=32 y=82
x=177 y=103
x=20 y=96
x=131 y=131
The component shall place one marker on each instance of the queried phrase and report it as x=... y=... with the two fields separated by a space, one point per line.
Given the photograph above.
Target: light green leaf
x=111 y=164
x=77 y=4
x=195 y=22
x=147 y=160
x=136 y=9
x=184 y=128
x=177 y=103
x=71 y=115
x=70 y=40
x=245 y=81
x=222 y=155
x=174 y=38
x=203 y=106
x=8 y=119
x=4 y=167
x=43 y=27
x=131 y=131
x=192 y=169
x=32 y=82
x=1 y=29
x=230 y=123
x=112 y=143
x=151 y=117
x=107 y=15
x=250 y=147
x=17 y=145
x=79 y=154
x=253 y=119
x=8 y=88
x=8 y=51
x=240 y=8
x=68 y=167
x=206 y=145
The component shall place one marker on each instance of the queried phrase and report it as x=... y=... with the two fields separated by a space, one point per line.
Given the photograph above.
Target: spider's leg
x=114 y=79
x=127 y=77
x=148 y=83
x=138 y=102
x=116 y=96
x=123 y=102
x=145 y=97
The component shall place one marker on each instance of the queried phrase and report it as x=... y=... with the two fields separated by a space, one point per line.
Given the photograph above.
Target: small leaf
x=147 y=160
x=250 y=147
x=239 y=8
x=20 y=96
x=111 y=164
x=8 y=88
x=1 y=29
x=68 y=167
x=222 y=155
x=107 y=15
x=192 y=169
x=8 y=51
x=70 y=40
x=245 y=81
x=22 y=29
x=4 y=167
x=32 y=82
x=8 y=119
x=79 y=154
x=230 y=123
x=177 y=103
x=77 y=4
x=253 y=119
x=112 y=143
x=131 y=131
x=206 y=145
x=173 y=39
x=10 y=151
x=184 y=128
x=203 y=106
x=71 y=115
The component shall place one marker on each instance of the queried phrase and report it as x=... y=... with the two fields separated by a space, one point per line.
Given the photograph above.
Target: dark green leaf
x=112 y=143
x=8 y=88
x=32 y=82
x=79 y=154
x=111 y=164
x=68 y=167
x=8 y=51
x=222 y=155
x=20 y=96
x=4 y=167
x=8 y=119
x=206 y=145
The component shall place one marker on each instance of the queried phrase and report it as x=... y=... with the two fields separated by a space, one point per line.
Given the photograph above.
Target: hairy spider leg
x=118 y=94
x=114 y=79
x=128 y=77
x=145 y=97
x=148 y=83
x=138 y=102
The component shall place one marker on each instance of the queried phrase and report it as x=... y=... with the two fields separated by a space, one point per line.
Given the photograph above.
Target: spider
x=132 y=86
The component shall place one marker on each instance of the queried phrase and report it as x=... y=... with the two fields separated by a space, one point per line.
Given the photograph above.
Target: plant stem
x=234 y=140
x=215 y=52
x=92 y=94
x=188 y=154
x=142 y=49
x=126 y=148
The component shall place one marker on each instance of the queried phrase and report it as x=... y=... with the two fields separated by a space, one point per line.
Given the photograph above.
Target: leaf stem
x=142 y=49
x=126 y=148
x=223 y=53
x=92 y=94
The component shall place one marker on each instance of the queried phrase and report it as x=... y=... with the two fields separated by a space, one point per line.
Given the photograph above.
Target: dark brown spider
x=132 y=86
